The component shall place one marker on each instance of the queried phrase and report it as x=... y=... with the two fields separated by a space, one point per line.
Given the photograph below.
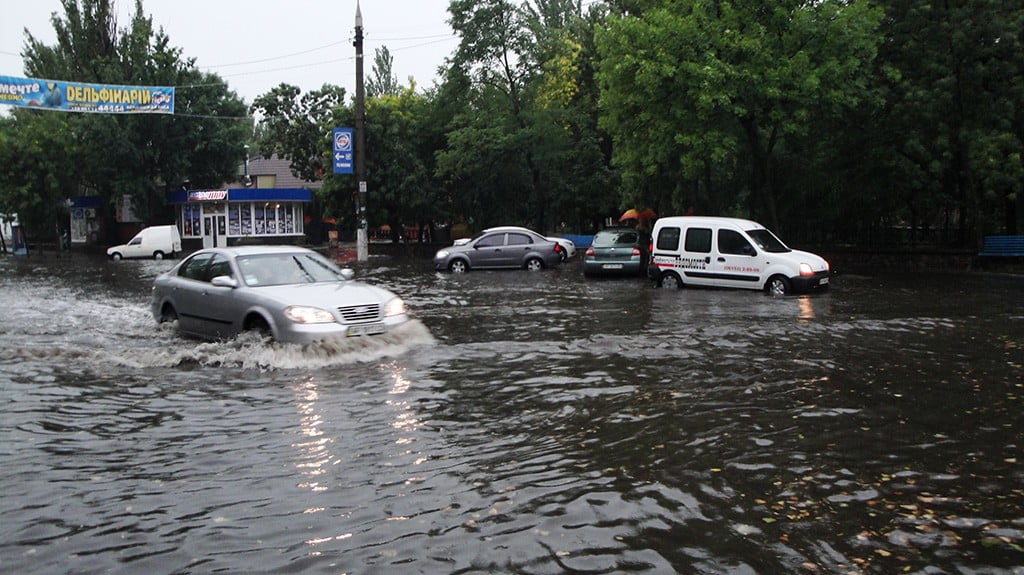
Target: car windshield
x=767 y=241
x=287 y=268
x=615 y=238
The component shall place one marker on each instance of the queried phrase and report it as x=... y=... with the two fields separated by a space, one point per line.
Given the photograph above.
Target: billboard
x=79 y=97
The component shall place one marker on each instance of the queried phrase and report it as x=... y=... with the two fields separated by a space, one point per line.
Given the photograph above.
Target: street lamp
x=246 y=179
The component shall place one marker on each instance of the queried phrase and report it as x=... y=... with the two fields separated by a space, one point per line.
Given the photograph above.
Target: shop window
x=190 y=218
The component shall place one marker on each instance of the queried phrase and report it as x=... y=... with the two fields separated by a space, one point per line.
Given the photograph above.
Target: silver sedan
x=290 y=293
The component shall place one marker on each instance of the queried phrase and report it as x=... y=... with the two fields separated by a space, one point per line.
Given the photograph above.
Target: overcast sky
x=255 y=45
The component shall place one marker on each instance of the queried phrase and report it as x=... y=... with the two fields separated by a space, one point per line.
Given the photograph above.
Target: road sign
x=342 y=150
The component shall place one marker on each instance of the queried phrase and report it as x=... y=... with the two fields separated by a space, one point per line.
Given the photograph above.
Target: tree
x=383 y=81
x=952 y=124
x=522 y=146
x=109 y=156
x=298 y=127
x=692 y=88
x=35 y=182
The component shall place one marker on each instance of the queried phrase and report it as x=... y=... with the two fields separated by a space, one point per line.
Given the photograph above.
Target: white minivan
x=730 y=252
x=155 y=242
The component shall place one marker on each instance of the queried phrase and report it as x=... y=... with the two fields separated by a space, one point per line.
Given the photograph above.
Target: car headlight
x=303 y=314
x=395 y=306
x=442 y=254
x=805 y=270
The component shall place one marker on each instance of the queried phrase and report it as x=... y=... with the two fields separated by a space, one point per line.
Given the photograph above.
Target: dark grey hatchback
x=504 y=247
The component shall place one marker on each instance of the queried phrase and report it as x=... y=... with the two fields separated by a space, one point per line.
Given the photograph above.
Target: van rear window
x=668 y=239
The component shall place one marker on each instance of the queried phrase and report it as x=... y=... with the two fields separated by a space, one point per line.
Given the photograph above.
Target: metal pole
x=362 y=253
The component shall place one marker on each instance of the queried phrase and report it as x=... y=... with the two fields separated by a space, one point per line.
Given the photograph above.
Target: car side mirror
x=224 y=281
x=347 y=273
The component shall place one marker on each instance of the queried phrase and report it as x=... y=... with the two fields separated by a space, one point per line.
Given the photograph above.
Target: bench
x=1002 y=247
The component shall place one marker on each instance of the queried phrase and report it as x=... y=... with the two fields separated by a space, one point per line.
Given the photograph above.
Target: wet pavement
x=524 y=423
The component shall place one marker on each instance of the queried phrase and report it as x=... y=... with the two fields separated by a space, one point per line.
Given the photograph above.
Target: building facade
x=267 y=206
x=224 y=217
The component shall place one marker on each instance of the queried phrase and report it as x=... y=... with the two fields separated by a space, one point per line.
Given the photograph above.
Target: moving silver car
x=502 y=247
x=292 y=294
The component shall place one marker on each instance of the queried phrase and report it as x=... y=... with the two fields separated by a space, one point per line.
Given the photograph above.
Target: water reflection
x=314 y=446
x=806 y=307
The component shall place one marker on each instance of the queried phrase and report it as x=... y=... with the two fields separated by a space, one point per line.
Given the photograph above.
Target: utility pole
x=362 y=253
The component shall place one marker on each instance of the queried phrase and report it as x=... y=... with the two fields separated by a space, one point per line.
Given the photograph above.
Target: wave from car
x=507 y=247
x=293 y=294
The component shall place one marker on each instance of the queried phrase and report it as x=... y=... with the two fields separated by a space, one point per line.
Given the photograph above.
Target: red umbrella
x=629 y=214
x=644 y=214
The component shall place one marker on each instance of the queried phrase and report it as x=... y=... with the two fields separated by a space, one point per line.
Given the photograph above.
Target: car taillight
x=636 y=252
x=558 y=248
x=590 y=252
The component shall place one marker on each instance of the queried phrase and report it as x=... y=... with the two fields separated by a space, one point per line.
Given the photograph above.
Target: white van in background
x=154 y=242
x=730 y=252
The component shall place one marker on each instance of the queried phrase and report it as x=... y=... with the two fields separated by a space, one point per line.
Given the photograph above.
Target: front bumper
x=312 y=332
x=819 y=280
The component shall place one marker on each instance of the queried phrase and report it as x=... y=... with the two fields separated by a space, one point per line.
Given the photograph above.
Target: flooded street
x=532 y=423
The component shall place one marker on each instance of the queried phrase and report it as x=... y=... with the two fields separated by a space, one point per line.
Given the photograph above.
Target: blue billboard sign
x=342 y=152
x=79 y=97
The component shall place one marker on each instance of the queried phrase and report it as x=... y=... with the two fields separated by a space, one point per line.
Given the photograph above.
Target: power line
x=281 y=57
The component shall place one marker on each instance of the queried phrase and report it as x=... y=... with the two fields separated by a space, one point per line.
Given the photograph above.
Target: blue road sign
x=342 y=150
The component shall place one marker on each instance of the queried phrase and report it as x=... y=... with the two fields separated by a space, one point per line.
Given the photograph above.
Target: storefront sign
x=207 y=195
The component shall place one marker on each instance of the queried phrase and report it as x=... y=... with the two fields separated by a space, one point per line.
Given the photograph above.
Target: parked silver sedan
x=502 y=247
x=292 y=294
x=568 y=246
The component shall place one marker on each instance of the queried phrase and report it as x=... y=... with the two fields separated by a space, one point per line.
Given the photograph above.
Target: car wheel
x=258 y=324
x=671 y=281
x=115 y=256
x=534 y=264
x=158 y=255
x=778 y=285
x=458 y=266
x=168 y=314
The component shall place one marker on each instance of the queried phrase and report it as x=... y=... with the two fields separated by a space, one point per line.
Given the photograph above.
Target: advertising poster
x=79 y=97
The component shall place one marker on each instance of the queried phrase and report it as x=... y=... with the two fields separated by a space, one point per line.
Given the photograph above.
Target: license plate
x=612 y=266
x=365 y=329
x=823 y=281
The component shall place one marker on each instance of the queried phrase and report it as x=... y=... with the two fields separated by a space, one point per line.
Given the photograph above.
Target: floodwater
x=524 y=423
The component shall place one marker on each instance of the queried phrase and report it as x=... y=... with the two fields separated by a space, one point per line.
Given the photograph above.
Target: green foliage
x=707 y=92
x=833 y=121
x=34 y=183
x=382 y=80
x=298 y=127
x=107 y=155
x=522 y=143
